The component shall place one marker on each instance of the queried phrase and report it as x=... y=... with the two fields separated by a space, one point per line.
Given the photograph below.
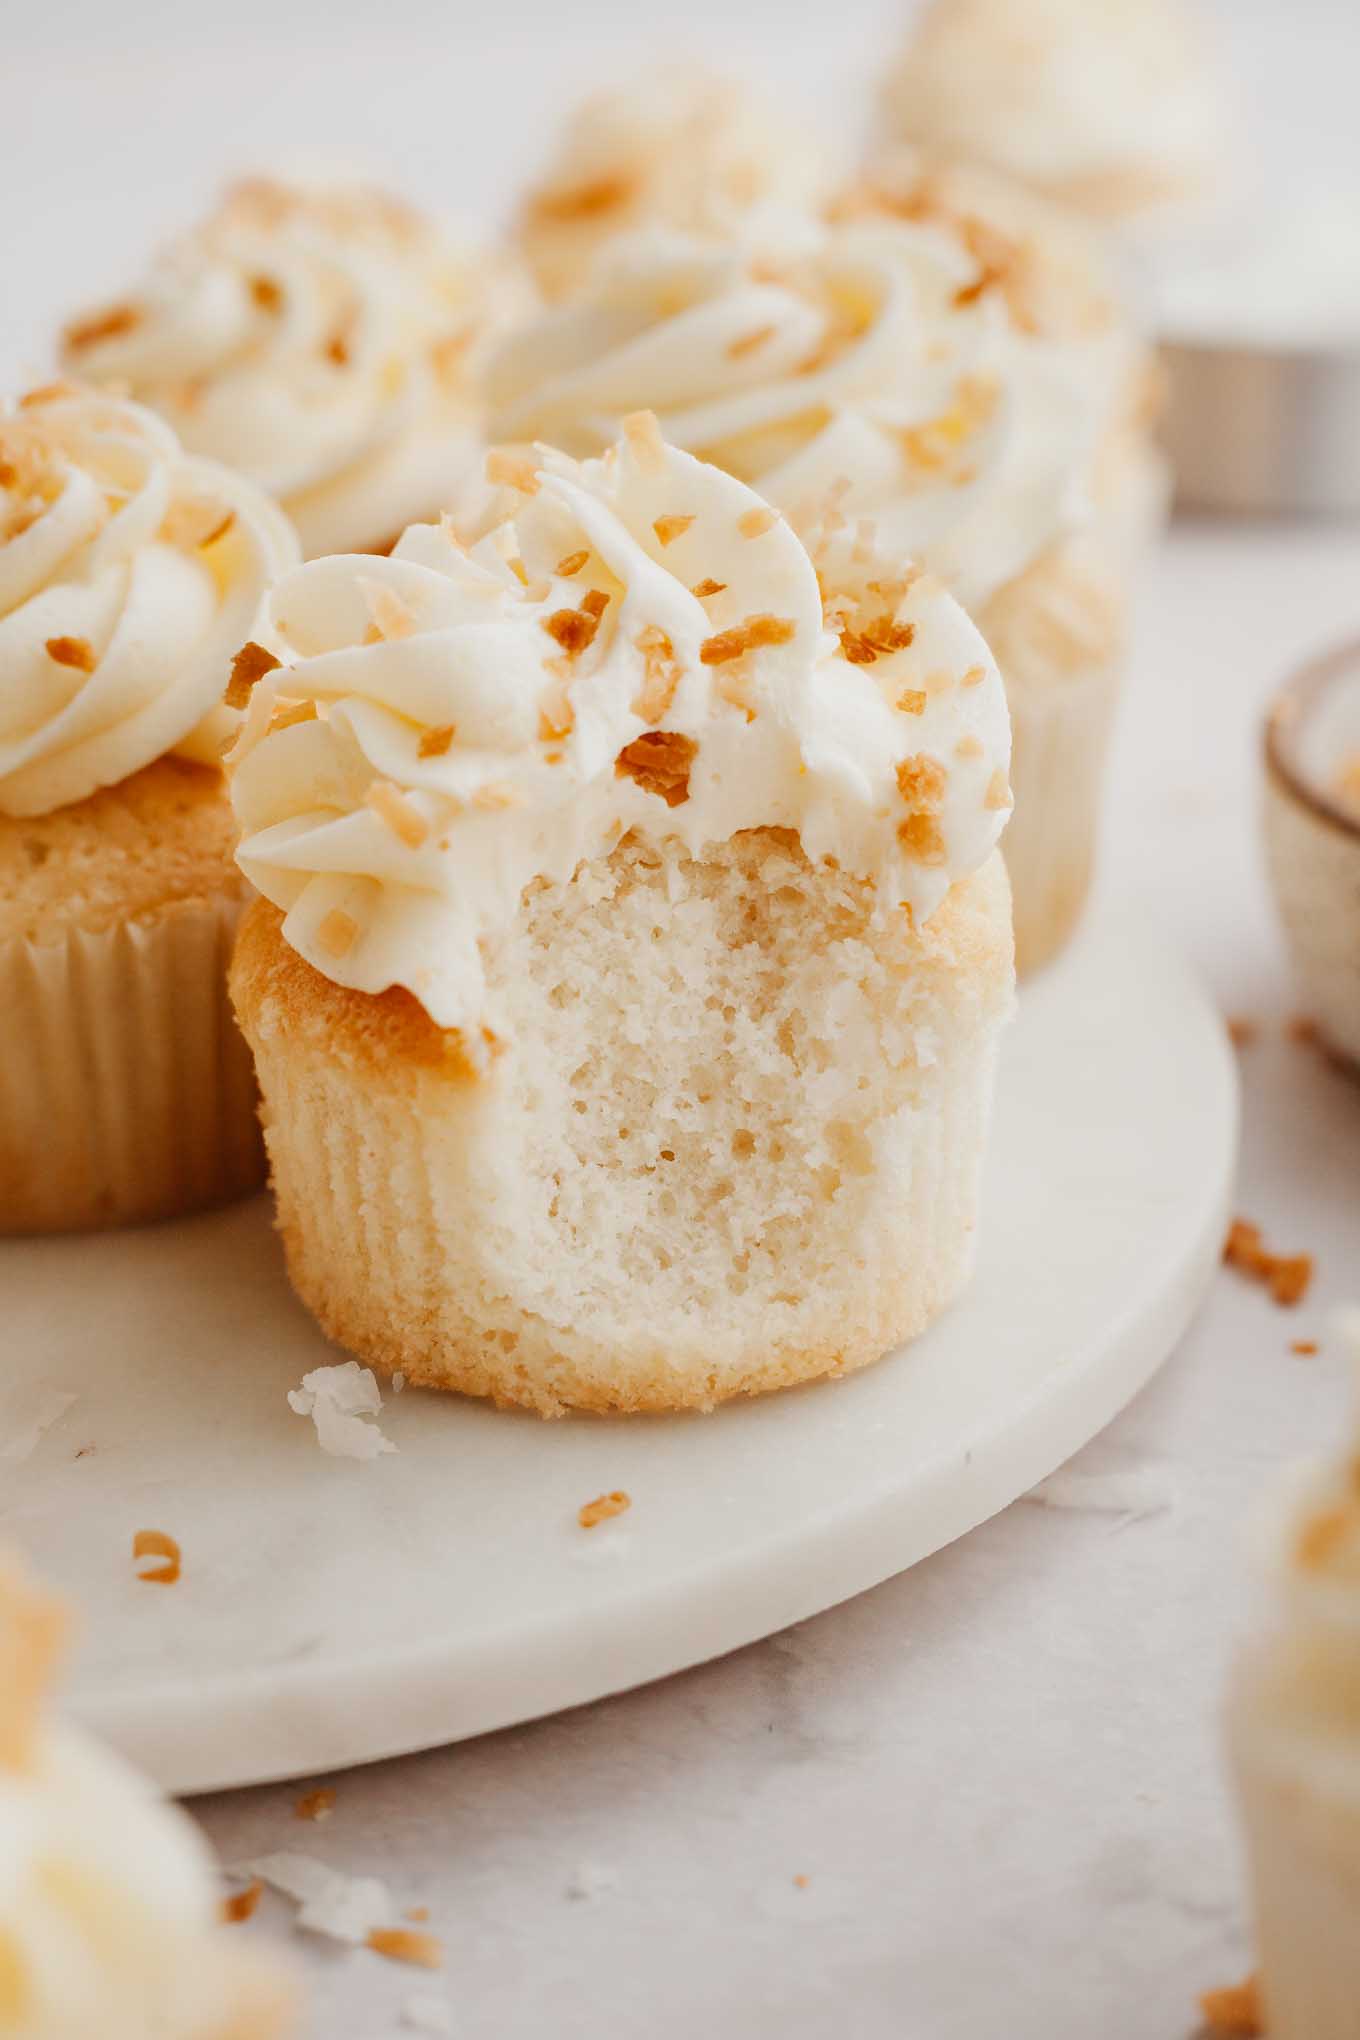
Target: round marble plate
x=331 y=1611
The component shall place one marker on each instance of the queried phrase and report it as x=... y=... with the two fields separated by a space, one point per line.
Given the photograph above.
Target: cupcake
x=129 y=574
x=676 y=147
x=322 y=340
x=944 y=382
x=108 y=1909
x=1294 y=1734
x=1114 y=109
x=632 y=955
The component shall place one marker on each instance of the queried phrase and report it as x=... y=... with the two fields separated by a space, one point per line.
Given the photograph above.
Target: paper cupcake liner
x=126 y=1089
x=1060 y=735
x=1314 y=864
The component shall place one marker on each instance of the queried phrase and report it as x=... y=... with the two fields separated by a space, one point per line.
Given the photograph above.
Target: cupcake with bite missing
x=108 y=1903
x=632 y=957
x=129 y=574
x=945 y=384
x=677 y=147
x=322 y=339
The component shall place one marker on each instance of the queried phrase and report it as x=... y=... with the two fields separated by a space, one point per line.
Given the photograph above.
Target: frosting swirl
x=321 y=341
x=675 y=147
x=891 y=370
x=129 y=573
x=643 y=645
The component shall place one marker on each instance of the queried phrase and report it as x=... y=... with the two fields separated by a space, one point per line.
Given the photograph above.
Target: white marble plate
x=330 y=1611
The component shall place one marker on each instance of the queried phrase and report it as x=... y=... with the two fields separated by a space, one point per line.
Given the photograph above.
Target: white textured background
x=999 y=1772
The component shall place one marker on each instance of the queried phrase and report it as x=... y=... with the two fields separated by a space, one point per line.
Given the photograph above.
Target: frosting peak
x=641 y=645
x=128 y=574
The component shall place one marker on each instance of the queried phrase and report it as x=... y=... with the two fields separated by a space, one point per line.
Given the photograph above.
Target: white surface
x=331 y=1613
x=999 y=1771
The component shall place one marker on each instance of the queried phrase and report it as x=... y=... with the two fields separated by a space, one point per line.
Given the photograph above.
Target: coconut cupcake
x=627 y=982
x=1294 y=1735
x=108 y=1908
x=677 y=147
x=1114 y=109
x=953 y=385
x=322 y=340
x=129 y=575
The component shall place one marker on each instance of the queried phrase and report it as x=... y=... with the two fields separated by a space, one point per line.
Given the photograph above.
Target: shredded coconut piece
x=1141 y=1491
x=25 y=1414
x=339 y=1400
x=343 y=1908
x=157 y=1544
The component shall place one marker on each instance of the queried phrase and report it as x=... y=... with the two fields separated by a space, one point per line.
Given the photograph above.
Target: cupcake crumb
x=157 y=1544
x=1305 y=1348
x=1286 y=1276
x=602 y=1508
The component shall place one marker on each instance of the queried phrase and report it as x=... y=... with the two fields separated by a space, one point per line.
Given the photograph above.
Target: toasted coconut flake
x=921 y=781
x=574 y=629
x=662 y=673
x=108 y=325
x=157 y=1544
x=1322 y=1536
x=1286 y=1276
x=1241 y=1032
x=703 y=589
x=644 y=438
x=497 y=793
x=603 y=1507
x=556 y=716
x=659 y=762
x=998 y=794
x=318 y=1805
x=266 y=293
x=241 y=1905
x=389 y=616
x=508 y=469
x=291 y=713
x=398 y=812
x=404 y=1944
x=733 y=687
x=1305 y=1348
x=747 y=343
x=77 y=652
x=973 y=677
x=249 y=667
x=435 y=743
x=448 y=355
x=668 y=529
x=747 y=636
x=337 y=933
x=1234 y=2013
x=569 y=567
x=756 y=522
x=912 y=701
x=920 y=837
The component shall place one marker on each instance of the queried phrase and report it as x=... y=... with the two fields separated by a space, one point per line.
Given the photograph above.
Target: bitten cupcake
x=955 y=386
x=108 y=1907
x=626 y=988
x=1114 y=109
x=129 y=575
x=676 y=147
x=1294 y=1734
x=320 y=339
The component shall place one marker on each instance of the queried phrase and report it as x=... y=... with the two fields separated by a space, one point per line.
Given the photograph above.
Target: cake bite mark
x=248 y=668
x=1234 y=2012
x=748 y=636
x=157 y=1544
x=668 y=529
x=659 y=762
x=603 y=1507
x=337 y=932
x=76 y=652
x=643 y=434
x=1286 y=1276
x=101 y=326
x=398 y=813
x=435 y=743
x=404 y=1944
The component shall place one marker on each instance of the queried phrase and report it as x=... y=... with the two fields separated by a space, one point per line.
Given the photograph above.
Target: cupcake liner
x=126 y=1089
x=1059 y=736
x=1314 y=863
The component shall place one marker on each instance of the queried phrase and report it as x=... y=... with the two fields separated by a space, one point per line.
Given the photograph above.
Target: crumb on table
x=1234 y=2011
x=603 y=1507
x=1286 y=1276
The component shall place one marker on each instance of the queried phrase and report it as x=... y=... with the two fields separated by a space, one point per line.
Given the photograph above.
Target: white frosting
x=323 y=342
x=1109 y=101
x=119 y=609
x=675 y=147
x=395 y=847
x=881 y=363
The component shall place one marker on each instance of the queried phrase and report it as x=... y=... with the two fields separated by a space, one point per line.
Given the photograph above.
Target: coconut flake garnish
x=25 y=1414
x=427 y=2015
x=1138 y=1492
x=343 y=1908
x=339 y=1401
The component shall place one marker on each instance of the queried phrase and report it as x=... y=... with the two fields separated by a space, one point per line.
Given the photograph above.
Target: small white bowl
x=1312 y=840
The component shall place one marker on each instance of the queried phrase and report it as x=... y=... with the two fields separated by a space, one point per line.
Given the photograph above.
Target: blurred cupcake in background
x=108 y=1905
x=322 y=339
x=130 y=575
x=675 y=147
x=926 y=380
x=1114 y=108
x=1294 y=1737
